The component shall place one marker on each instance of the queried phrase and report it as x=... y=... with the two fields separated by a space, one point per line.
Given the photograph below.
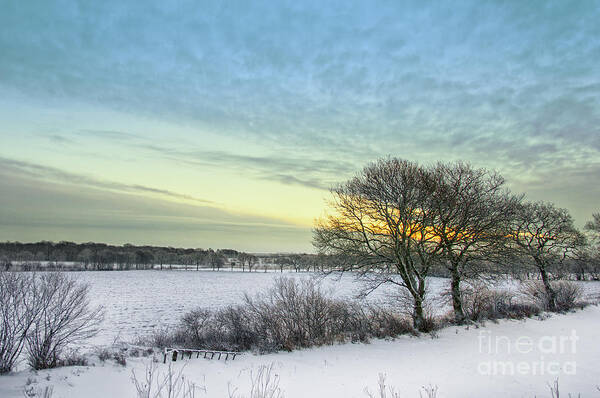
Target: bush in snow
x=568 y=295
x=43 y=313
x=481 y=302
x=73 y=358
x=63 y=317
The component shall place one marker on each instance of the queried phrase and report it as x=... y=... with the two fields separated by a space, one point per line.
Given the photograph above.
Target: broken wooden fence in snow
x=209 y=354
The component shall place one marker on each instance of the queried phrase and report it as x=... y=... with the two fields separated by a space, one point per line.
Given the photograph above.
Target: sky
x=223 y=124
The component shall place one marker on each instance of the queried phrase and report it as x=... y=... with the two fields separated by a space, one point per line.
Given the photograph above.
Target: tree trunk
x=549 y=290
x=418 y=315
x=419 y=321
x=459 y=314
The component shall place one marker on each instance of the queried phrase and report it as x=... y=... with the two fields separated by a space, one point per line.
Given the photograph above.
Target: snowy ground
x=136 y=302
x=507 y=359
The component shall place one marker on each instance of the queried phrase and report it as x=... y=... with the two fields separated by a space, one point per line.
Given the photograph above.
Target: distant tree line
x=101 y=256
x=91 y=256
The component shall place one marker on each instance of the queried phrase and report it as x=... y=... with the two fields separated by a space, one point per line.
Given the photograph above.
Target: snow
x=455 y=361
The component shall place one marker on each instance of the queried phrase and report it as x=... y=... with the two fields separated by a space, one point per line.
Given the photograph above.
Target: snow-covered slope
x=460 y=361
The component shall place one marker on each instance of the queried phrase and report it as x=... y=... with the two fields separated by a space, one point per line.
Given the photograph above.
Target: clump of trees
x=43 y=315
x=397 y=222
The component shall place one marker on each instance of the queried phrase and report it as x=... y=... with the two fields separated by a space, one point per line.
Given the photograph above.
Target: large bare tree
x=546 y=236
x=473 y=217
x=379 y=221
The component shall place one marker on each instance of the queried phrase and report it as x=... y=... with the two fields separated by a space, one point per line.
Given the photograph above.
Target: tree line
x=47 y=255
x=101 y=256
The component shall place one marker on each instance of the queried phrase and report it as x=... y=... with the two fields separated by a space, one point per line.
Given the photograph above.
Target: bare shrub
x=161 y=338
x=104 y=354
x=404 y=301
x=73 y=358
x=18 y=311
x=120 y=358
x=168 y=385
x=568 y=295
x=295 y=314
x=64 y=318
x=480 y=303
x=299 y=314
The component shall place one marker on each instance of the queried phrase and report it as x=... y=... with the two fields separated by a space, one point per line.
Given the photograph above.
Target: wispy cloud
x=54 y=174
x=54 y=210
x=109 y=134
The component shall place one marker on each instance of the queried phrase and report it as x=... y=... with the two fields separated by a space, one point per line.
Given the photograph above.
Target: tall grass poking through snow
x=386 y=391
x=265 y=384
x=171 y=384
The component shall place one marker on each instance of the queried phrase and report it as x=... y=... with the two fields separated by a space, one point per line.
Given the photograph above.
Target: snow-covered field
x=136 y=302
x=507 y=359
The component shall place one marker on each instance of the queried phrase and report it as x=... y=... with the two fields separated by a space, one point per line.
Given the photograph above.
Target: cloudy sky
x=222 y=124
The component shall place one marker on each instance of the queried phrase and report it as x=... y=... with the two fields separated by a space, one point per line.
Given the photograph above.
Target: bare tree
x=473 y=215
x=545 y=235
x=379 y=221
x=63 y=317
x=216 y=260
x=247 y=259
x=85 y=257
